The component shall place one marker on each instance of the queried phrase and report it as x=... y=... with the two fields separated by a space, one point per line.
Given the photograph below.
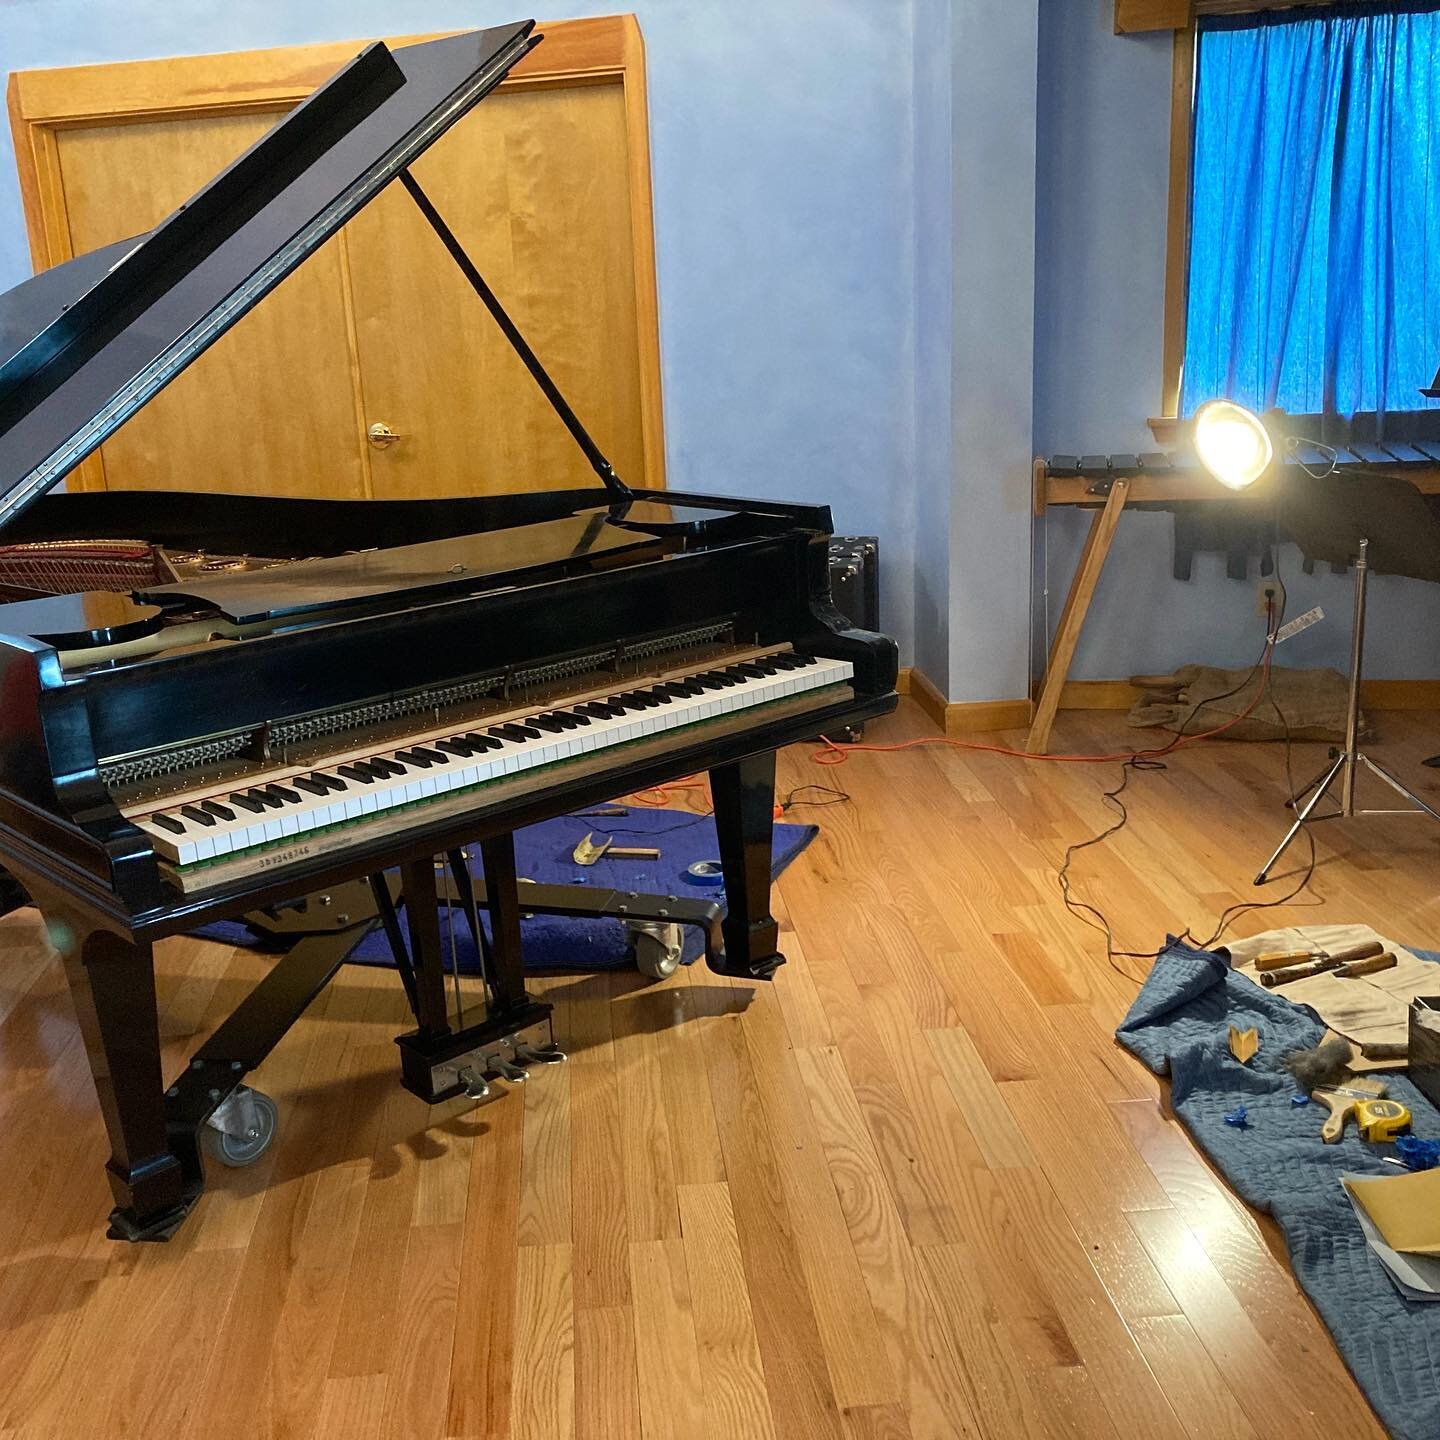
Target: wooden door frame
x=605 y=50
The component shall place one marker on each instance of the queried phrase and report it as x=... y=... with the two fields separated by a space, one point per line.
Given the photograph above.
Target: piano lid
x=87 y=344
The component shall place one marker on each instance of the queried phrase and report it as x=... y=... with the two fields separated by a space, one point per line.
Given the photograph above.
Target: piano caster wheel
x=657 y=949
x=241 y=1130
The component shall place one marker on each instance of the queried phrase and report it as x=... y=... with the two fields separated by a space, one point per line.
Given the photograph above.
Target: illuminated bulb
x=1232 y=443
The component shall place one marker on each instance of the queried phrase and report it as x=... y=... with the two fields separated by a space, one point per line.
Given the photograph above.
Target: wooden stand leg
x=112 y=983
x=503 y=901
x=744 y=795
x=1072 y=618
x=422 y=917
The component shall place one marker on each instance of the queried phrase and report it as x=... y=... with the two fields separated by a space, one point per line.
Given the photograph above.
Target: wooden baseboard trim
x=1098 y=695
x=957 y=717
x=902 y=681
x=1374 y=694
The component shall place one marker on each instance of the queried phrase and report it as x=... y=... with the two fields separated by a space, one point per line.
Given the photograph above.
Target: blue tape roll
x=705 y=872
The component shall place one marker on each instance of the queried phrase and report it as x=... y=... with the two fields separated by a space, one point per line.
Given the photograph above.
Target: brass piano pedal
x=497 y=1067
x=474 y=1082
x=528 y=1054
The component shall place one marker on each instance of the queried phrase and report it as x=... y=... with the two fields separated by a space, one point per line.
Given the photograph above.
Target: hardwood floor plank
x=544 y=1390
x=648 y=1166
x=802 y=1401
x=416 y=1392
x=671 y=1407
x=483 y=1347
x=736 y=1402
x=600 y=1227
x=607 y=1380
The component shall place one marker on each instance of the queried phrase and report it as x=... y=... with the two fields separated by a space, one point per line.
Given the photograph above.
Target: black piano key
x=748 y=670
x=411 y=757
x=283 y=794
x=170 y=823
x=546 y=723
x=435 y=757
x=265 y=798
x=246 y=803
x=219 y=811
x=354 y=772
x=193 y=812
x=456 y=746
x=483 y=742
x=575 y=715
x=309 y=785
x=385 y=765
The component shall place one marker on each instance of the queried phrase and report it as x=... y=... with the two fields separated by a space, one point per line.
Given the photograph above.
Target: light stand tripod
x=1345 y=762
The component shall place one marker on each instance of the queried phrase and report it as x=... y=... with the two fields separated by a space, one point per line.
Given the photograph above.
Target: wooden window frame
x=603 y=50
x=1166 y=426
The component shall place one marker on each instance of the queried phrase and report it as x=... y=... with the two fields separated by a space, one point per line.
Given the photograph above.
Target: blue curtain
x=1315 y=211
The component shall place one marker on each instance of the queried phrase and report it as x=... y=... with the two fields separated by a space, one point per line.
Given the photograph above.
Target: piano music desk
x=1107 y=484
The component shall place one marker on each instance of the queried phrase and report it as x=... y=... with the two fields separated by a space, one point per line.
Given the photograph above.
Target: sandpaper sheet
x=1405 y=1209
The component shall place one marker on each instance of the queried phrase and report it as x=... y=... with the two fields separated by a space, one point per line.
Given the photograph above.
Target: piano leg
x=112 y=983
x=744 y=796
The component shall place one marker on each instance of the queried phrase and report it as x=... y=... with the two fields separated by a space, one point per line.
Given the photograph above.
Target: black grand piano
x=211 y=706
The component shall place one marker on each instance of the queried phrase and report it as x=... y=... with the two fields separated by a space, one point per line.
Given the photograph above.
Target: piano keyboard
x=197 y=832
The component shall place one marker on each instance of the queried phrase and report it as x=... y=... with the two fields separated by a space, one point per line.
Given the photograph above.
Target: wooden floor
x=910 y=1190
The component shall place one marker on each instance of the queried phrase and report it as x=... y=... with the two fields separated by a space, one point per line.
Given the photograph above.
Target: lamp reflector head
x=1232 y=443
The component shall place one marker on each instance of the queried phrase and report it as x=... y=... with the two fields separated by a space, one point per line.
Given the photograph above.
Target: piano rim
x=78 y=889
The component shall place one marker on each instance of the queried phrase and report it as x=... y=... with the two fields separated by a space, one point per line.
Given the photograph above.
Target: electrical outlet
x=1267 y=597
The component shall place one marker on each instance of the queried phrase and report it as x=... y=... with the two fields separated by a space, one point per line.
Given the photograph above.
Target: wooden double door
x=546 y=183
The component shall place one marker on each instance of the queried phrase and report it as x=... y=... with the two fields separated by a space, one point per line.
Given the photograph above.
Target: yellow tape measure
x=1381 y=1119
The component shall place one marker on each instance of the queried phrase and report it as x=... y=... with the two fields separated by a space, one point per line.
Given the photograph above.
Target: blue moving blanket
x=544 y=853
x=1179 y=1025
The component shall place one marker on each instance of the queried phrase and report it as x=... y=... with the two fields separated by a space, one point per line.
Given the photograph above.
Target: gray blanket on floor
x=1178 y=1026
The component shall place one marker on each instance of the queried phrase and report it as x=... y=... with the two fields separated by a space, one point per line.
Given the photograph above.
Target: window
x=1314 y=261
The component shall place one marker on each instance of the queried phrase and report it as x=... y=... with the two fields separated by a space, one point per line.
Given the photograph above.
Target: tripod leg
x=1301 y=816
x=1394 y=784
x=1305 y=789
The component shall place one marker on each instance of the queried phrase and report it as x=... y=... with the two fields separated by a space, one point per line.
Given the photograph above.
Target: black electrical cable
x=1150 y=760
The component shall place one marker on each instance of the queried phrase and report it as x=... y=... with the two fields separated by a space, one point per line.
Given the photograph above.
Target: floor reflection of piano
x=222 y=703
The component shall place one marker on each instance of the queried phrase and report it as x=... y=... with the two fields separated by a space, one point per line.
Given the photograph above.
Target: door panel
x=535 y=185
x=270 y=407
x=547 y=184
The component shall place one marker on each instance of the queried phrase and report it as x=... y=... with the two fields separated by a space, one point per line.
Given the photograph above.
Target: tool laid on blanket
x=1372 y=966
x=1279 y=973
x=1244 y=1043
x=589 y=850
x=1342 y=1100
x=1380 y=1120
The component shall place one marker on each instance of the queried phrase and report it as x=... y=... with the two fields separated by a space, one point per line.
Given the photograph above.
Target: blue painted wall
x=1100 y=273
x=781 y=153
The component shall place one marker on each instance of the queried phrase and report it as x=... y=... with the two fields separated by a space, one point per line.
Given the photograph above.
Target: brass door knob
x=381 y=436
